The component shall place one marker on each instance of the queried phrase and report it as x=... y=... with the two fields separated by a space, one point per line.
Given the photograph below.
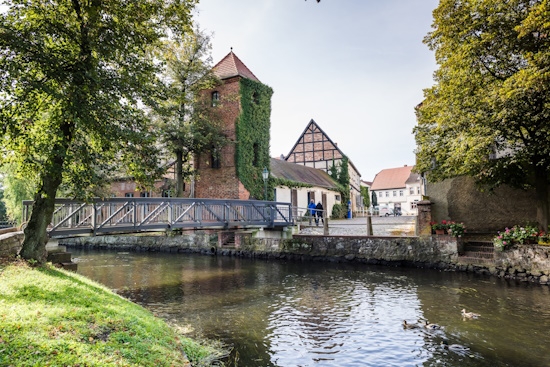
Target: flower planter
x=439 y=232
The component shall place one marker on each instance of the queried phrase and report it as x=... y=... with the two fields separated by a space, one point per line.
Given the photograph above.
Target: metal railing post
x=94 y=218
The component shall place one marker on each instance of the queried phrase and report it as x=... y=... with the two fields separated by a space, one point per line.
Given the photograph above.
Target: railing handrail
x=136 y=214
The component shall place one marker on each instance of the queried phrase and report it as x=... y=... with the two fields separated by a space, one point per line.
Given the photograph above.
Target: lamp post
x=265 y=174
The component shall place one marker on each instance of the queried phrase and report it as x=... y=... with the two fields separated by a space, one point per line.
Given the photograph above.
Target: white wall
x=284 y=194
x=388 y=199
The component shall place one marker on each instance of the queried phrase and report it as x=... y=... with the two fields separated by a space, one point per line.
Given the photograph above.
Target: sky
x=356 y=67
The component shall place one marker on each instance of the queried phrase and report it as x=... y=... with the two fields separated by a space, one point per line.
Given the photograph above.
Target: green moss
x=253 y=124
x=54 y=317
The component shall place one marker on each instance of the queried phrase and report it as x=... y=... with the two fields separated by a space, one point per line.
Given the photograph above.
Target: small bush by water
x=50 y=316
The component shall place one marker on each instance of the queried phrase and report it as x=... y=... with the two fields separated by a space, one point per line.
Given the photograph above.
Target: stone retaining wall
x=525 y=263
x=11 y=243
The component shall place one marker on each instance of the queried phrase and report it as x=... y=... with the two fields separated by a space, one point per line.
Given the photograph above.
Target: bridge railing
x=143 y=214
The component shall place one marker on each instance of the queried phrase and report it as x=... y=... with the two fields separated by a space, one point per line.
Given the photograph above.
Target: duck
x=429 y=326
x=409 y=326
x=469 y=315
x=457 y=348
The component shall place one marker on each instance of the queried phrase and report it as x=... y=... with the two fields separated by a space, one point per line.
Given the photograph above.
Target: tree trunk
x=541 y=188
x=36 y=236
x=179 y=174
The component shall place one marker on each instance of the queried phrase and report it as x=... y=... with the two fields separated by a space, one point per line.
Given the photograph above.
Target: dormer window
x=215 y=98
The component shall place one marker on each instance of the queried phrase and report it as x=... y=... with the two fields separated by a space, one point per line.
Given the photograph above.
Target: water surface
x=323 y=314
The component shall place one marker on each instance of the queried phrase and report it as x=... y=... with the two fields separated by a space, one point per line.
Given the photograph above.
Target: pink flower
x=504 y=242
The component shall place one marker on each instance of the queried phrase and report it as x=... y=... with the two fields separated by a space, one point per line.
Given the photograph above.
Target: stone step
x=70 y=266
x=478 y=254
x=474 y=260
x=59 y=257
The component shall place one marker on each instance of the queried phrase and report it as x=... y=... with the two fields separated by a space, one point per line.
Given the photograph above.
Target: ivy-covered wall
x=252 y=130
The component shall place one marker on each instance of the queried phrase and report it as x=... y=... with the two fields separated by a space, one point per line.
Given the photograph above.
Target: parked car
x=385 y=212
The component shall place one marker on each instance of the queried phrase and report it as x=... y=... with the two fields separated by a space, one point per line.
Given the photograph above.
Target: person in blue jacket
x=311 y=208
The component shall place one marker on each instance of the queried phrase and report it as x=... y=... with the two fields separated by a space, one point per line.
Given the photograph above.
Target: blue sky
x=357 y=67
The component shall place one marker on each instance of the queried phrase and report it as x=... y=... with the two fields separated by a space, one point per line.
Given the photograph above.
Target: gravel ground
x=381 y=226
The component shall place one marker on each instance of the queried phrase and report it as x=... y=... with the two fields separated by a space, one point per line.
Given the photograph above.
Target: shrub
x=442 y=225
x=338 y=211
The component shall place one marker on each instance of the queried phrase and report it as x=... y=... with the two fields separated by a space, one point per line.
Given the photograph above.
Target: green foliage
x=3 y=213
x=16 y=190
x=288 y=183
x=187 y=124
x=59 y=318
x=333 y=171
x=488 y=114
x=344 y=180
x=76 y=77
x=252 y=150
x=339 y=211
x=365 y=195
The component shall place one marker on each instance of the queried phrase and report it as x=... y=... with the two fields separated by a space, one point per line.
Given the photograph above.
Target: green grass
x=51 y=317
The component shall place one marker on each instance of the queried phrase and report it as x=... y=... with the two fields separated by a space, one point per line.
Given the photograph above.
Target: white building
x=399 y=189
x=304 y=184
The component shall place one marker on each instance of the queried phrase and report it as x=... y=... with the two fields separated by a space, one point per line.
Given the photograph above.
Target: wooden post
x=325 y=216
x=369 y=225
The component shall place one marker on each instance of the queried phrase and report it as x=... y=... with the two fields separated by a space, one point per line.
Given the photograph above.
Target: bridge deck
x=145 y=214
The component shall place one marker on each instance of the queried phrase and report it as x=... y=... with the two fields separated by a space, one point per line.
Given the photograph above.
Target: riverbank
x=527 y=263
x=54 y=317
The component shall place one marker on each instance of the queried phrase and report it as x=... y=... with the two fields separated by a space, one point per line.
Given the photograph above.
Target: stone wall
x=525 y=263
x=460 y=200
x=11 y=243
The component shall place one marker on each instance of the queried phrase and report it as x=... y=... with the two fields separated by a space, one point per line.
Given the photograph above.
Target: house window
x=413 y=204
x=215 y=98
x=129 y=195
x=387 y=194
x=394 y=193
x=400 y=192
x=144 y=194
x=411 y=190
x=418 y=190
x=337 y=197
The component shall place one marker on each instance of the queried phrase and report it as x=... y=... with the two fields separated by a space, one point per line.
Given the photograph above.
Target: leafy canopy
x=488 y=115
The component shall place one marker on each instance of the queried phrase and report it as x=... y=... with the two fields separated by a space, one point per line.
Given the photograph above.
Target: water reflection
x=294 y=314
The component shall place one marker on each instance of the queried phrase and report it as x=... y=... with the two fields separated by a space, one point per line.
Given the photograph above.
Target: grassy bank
x=53 y=317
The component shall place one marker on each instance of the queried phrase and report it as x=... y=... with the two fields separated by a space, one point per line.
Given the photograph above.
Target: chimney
x=405 y=165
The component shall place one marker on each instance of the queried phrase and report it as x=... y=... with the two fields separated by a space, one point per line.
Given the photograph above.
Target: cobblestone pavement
x=381 y=226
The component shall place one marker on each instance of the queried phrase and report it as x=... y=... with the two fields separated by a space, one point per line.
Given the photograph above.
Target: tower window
x=215 y=98
x=215 y=158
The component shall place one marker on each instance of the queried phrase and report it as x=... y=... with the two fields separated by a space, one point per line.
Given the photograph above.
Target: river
x=324 y=314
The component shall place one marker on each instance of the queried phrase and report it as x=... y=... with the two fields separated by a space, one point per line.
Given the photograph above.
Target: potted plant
x=439 y=228
x=515 y=235
x=544 y=239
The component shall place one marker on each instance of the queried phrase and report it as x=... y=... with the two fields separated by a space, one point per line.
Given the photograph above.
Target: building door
x=294 y=202
x=310 y=196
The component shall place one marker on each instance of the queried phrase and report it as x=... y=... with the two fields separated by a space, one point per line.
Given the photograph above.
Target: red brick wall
x=222 y=182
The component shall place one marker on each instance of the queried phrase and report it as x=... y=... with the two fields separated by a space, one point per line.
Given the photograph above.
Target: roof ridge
x=231 y=65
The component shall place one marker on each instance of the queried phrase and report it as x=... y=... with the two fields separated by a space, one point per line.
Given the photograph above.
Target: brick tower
x=218 y=174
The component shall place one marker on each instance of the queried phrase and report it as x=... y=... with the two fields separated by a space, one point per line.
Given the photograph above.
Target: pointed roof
x=231 y=66
x=303 y=174
x=392 y=178
x=312 y=125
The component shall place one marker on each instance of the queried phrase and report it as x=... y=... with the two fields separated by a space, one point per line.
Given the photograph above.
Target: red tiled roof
x=392 y=178
x=231 y=66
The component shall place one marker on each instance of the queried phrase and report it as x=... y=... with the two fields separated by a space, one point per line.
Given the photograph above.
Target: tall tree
x=75 y=77
x=344 y=180
x=488 y=115
x=365 y=195
x=188 y=122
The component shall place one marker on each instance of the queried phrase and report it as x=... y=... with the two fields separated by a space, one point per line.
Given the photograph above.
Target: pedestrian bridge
x=116 y=215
